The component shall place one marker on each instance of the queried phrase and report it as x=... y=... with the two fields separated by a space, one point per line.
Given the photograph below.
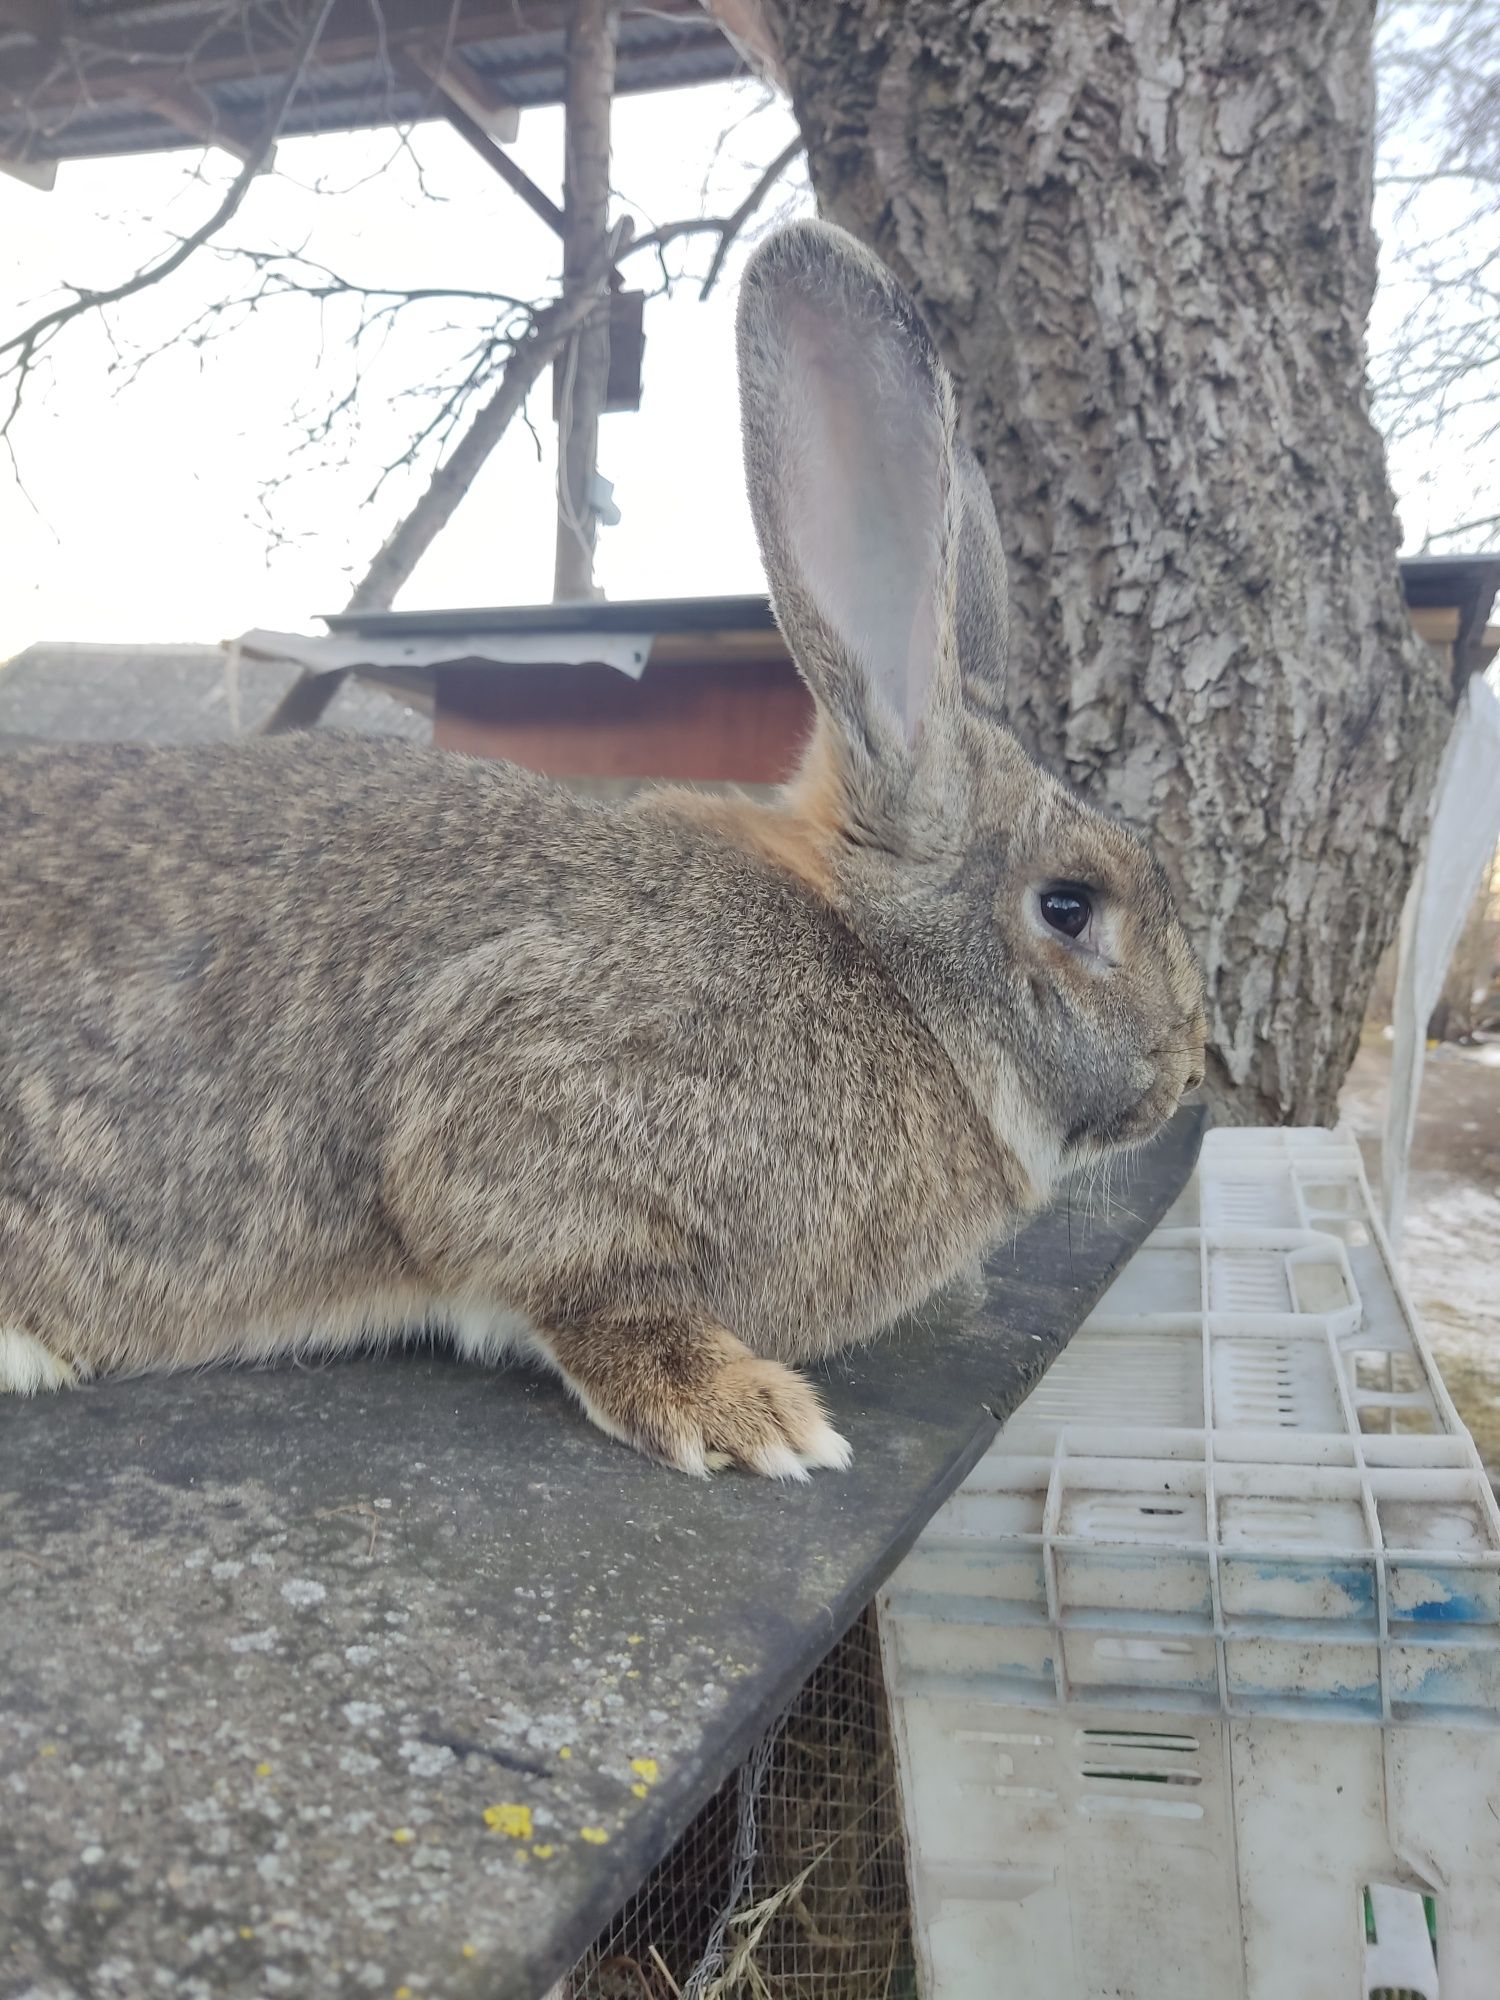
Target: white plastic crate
x=1208 y=1644
x=1268 y=1302
x=1242 y=1489
x=1064 y=1855
x=1357 y=1577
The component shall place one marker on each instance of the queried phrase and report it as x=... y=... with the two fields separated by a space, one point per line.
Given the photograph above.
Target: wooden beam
x=464 y=88
x=1437 y=625
x=34 y=173
x=592 y=31
x=501 y=163
x=191 y=112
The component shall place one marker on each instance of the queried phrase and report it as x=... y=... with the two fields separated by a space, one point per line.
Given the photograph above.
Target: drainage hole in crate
x=1104 y=1516
x=1128 y=1775
x=1391 y=1373
x=1401 y=1947
x=1330 y=1196
x=1248 y=1281
x=1139 y=1739
x=1140 y=1757
x=1397 y=1420
x=1319 y=1288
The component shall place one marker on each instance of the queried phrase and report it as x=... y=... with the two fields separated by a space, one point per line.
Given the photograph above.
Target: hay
x=791 y=1884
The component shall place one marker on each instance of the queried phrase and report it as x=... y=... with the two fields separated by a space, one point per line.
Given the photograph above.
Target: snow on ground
x=1450 y=1250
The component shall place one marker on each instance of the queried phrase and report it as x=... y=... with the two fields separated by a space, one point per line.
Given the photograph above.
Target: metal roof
x=1467 y=584
x=130 y=76
x=638 y=614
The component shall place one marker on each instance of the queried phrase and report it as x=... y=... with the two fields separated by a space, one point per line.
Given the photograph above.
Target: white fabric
x=1464 y=834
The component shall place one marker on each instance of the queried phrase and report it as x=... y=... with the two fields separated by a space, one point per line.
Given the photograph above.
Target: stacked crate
x=1196 y=1681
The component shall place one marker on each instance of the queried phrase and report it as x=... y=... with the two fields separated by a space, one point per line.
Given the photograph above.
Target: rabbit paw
x=700 y=1401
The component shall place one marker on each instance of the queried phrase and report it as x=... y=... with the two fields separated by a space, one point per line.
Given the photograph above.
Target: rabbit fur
x=308 y=1041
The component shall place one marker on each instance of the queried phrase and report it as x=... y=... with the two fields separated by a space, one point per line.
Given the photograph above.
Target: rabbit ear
x=849 y=456
x=981 y=596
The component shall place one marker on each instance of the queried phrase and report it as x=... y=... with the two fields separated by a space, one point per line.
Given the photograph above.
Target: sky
x=141 y=511
x=137 y=516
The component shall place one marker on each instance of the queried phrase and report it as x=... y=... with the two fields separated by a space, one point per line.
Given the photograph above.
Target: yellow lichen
x=565 y=1751
x=48 y=1750
x=401 y=1835
x=512 y=1820
x=246 y=1931
x=594 y=1835
x=647 y=1768
x=468 y=1951
x=544 y=1851
x=262 y=1770
x=639 y=1790
x=635 y=1639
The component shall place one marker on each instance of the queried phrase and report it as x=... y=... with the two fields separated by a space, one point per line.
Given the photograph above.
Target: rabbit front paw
x=697 y=1399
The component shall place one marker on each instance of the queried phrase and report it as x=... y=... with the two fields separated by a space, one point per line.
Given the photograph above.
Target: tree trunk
x=592 y=28
x=1141 y=234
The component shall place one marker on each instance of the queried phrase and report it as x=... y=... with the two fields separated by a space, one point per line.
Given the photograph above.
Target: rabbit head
x=1035 y=937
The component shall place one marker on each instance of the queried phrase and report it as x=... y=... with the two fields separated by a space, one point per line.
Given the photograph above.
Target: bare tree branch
x=1463 y=528
x=725 y=227
x=34 y=339
x=404 y=548
x=1435 y=362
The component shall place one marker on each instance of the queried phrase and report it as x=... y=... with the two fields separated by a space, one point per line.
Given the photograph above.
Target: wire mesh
x=791 y=1882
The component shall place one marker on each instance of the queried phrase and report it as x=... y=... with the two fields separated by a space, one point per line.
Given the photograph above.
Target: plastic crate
x=1197 y=1679
x=1267 y=1302
x=1358 y=1577
x=1061 y=1856
x=1242 y=1490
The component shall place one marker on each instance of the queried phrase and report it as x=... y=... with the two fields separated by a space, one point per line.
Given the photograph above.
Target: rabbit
x=308 y=1041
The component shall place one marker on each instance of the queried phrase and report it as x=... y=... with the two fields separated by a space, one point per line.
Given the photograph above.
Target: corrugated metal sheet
x=77 y=101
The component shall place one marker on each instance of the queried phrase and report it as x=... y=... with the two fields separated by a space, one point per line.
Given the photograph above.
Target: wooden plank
x=186 y=107
x=464 y=88
x=1438 y=625
x=740 y=722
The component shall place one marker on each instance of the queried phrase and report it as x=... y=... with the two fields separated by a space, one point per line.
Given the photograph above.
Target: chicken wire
x=791 y=1882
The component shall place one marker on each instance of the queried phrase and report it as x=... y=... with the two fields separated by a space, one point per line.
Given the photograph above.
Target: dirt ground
x=1450 y=1248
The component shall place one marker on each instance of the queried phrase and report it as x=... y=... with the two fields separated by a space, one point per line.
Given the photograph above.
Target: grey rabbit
x=309 y=1042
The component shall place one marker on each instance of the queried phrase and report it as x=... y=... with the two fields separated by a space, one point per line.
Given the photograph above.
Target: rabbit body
x=311 y=1038
x=315 y=1040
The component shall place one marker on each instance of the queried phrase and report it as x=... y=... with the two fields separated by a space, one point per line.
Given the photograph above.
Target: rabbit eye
x=1066 y=910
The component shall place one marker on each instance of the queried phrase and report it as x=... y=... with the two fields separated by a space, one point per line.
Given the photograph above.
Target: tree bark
x=1141 y=234
x=585 y=365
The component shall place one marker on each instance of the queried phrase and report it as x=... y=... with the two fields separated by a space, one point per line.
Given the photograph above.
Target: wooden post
x=584 y=364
